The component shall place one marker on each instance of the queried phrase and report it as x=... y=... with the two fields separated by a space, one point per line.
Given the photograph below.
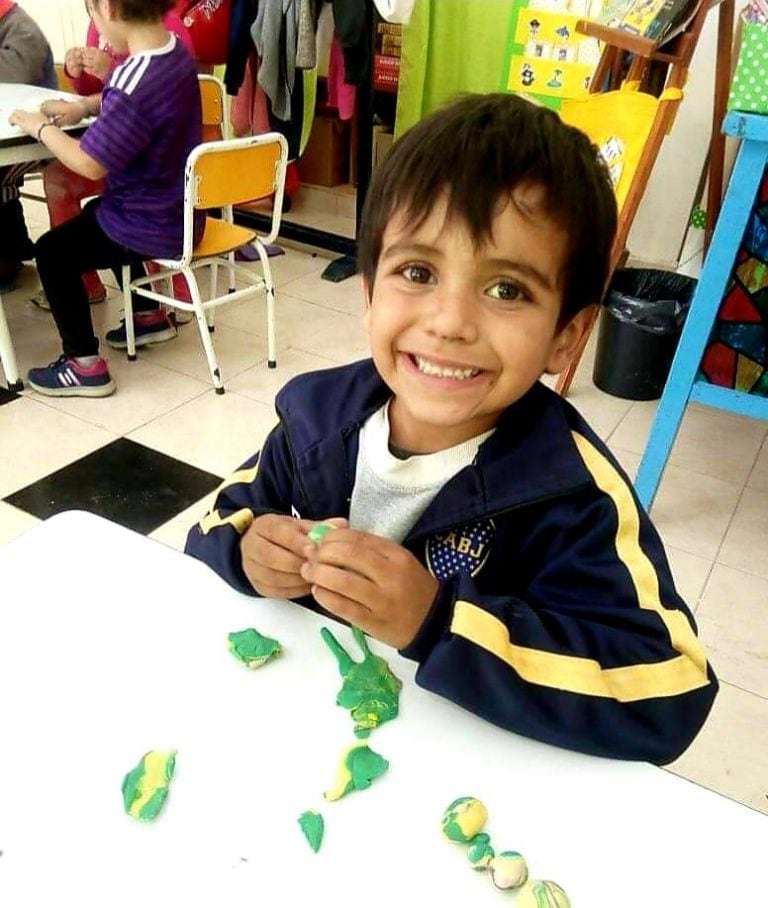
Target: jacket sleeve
x=590 y=648
x=262 y=485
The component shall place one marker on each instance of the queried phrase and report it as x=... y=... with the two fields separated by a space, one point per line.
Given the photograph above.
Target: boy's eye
x=416 y=274
x=507 y=291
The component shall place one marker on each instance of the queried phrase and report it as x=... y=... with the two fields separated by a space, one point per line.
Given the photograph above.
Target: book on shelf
x=655 y=20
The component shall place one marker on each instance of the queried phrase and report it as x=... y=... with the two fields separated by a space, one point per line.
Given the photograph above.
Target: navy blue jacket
x=556 y=617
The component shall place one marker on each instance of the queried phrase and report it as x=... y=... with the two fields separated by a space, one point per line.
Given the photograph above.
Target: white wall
x=64 y=23
x=662 y=219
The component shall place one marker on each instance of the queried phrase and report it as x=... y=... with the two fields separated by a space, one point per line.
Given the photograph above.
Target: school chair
x=219 y=175
x=718 y=297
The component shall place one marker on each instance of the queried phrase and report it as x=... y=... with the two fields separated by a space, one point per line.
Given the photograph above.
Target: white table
x=16 y=148
x=112 y=645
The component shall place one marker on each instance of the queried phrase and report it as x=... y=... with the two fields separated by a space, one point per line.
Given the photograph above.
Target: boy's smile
x=458 y=331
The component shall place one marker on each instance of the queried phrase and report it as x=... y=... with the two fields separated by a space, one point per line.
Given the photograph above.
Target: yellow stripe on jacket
x=682 y=673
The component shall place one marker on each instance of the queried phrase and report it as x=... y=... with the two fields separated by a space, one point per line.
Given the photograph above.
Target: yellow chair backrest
x=212 y=101
x=63 y=80
x=232 y=175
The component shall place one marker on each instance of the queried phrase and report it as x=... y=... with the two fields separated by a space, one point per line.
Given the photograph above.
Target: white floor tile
x=14 y=522
x=712 y=442
x=758 y=478
x=37 y=440
x=144 y=392
x=747 y=535
x=263 y=384
x=692 y=511
x=733 y=623
x=730 y=755
x=215 y=432
x=691 y=573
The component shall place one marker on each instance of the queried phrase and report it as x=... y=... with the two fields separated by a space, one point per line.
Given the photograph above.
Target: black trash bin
x=640 y=326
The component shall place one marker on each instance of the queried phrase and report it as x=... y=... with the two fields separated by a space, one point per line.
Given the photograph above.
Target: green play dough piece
x=313 y=827
x=371 y=690
x=145 y=787
x=251 y=648
x=480 y=851
x=359 y=768
x=464 y=819
x=318 y=531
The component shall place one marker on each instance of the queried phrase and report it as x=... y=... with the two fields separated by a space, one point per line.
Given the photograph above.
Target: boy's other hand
x=73 y=62
x=63 y=113
x=371 y=582
x=96 y=63
x=272 y=551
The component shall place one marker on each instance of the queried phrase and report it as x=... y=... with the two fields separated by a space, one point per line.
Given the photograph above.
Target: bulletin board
x=546 y=57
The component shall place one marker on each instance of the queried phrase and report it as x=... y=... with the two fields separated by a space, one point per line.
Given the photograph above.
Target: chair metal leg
x=202 y=324
x=213 y=292
x=270 y=293
x=8 y=354
x=130 y=334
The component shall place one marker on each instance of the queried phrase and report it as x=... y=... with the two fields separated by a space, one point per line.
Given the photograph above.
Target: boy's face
x=459 y=333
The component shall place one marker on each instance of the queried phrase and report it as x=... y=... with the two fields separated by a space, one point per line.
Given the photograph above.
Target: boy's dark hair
x=142 y=10
x=480 y=148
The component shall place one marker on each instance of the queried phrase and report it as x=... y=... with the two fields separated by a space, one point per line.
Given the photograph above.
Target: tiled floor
x=167 y=424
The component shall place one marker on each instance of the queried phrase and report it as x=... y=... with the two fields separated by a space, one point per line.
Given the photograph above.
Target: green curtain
x=449 y=47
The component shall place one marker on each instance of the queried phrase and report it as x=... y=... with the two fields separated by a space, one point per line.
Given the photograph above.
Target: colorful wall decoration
x=546 y=57
x=737 y=354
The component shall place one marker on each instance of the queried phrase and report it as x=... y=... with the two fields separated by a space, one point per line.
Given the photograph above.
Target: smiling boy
x=481 y=527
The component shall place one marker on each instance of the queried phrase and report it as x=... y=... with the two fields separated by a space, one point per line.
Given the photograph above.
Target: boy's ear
x=568 y=339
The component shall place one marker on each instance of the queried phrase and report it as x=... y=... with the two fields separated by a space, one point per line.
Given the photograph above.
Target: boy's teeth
x=429 y=368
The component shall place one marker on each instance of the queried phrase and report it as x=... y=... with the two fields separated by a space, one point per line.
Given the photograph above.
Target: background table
x=112 y=645
x=16 y=148
x=15 y=145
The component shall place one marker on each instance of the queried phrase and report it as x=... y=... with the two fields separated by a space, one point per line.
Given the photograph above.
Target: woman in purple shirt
x=148 y=121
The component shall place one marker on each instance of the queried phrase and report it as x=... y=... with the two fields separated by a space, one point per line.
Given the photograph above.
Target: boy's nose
x=453 y=315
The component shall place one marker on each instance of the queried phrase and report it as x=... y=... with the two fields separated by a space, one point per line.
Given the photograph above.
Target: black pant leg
x=63 y=255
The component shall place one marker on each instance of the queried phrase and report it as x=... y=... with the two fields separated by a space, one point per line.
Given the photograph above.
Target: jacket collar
x=530 y=457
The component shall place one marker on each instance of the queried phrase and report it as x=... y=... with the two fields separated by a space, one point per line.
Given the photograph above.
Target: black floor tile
x=7 y=396
x=125 y=482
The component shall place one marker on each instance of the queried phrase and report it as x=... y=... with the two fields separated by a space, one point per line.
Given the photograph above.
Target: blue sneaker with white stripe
x=68 y=378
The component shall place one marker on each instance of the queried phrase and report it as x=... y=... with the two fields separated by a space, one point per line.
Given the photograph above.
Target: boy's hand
x=272 y=551
x=63 y=113
x=73 y=62
x=373 y=583
x=96 y=63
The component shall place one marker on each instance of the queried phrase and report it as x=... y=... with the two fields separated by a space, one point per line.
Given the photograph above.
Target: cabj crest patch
x=463 y=550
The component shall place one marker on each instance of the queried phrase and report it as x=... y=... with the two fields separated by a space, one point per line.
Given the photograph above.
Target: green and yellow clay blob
x=464 y=819
x=313 y=827
x=508 y=870
x=359 y=768
x=252 y=648
x=480 y=851
x=542 y=894
x=370 y=689
x=145 y=787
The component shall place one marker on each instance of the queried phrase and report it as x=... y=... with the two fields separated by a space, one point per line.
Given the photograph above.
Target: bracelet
x=40 y=129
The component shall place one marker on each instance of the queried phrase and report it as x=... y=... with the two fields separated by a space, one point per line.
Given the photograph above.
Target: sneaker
x=41 y=300
x=67 y=378
x=150 y=328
